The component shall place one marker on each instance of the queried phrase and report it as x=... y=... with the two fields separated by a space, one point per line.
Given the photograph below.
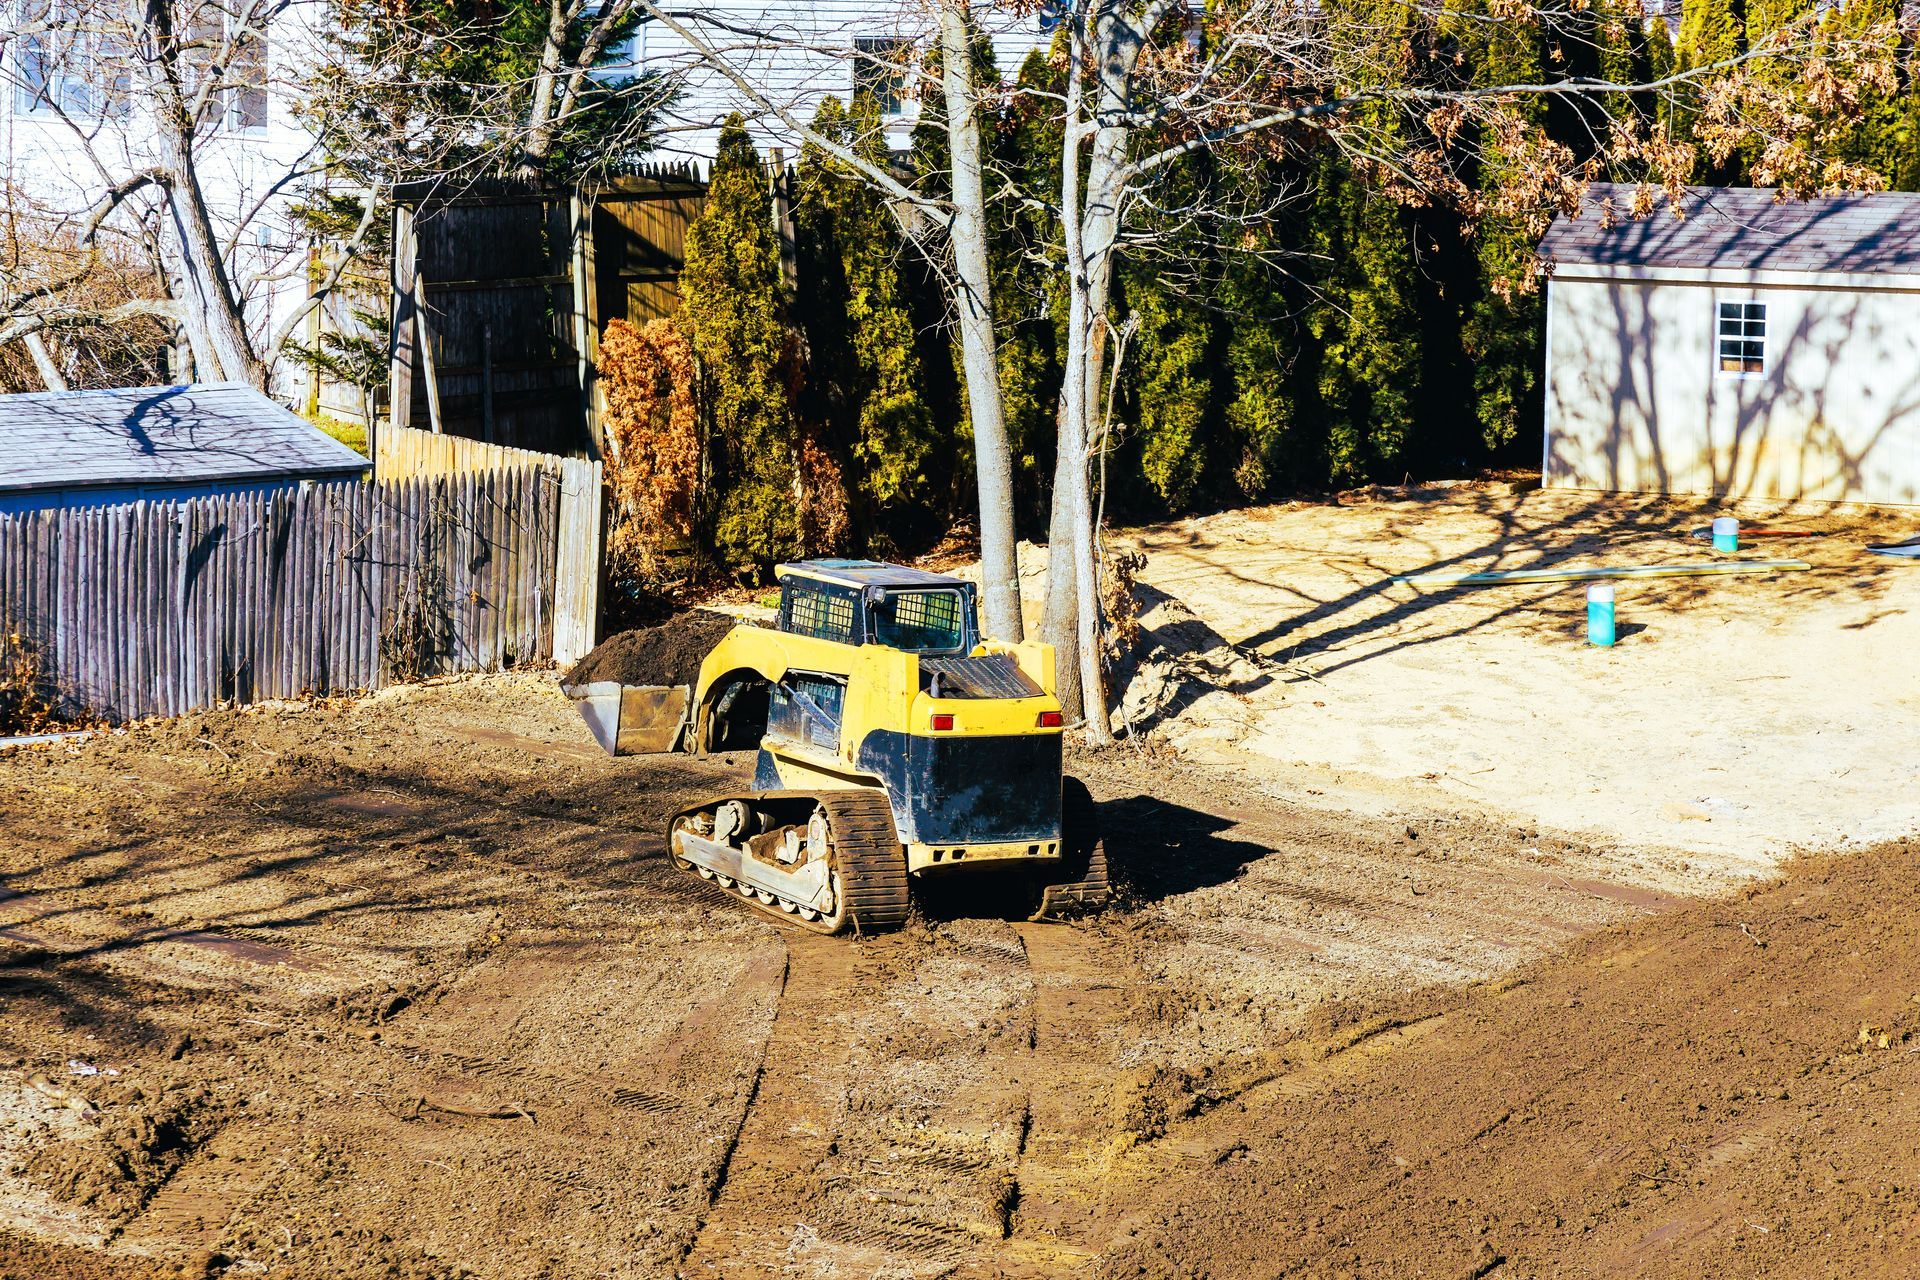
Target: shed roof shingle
x=159 y=435
x=1744 y=228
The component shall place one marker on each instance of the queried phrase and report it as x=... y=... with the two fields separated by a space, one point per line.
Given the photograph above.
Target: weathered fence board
x=158 y=608
x=573 y=590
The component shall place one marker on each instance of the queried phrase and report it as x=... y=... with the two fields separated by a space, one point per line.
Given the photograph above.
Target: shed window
x=880 y=71
x=1743 y=337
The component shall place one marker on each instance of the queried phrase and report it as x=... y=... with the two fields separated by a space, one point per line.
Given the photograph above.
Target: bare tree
x=147 y=132
x=190 y=133
x=951 y=228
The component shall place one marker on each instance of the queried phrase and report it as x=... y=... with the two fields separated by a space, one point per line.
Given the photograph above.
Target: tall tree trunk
x=1072 y=500
x=1091 y=219
x=213 y=318
x=537 y=141
x=993 y=458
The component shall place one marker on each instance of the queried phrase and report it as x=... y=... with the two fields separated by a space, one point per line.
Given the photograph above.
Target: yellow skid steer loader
x=894 y=743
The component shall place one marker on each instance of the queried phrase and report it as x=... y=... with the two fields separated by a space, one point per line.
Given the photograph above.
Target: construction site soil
x=669 y=653
x=403 y=986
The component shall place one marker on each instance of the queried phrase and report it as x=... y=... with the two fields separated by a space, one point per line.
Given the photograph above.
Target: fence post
x=581 y=555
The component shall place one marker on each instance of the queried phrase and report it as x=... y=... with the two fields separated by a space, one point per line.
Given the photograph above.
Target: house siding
x=1634 y=401
x=812 y=61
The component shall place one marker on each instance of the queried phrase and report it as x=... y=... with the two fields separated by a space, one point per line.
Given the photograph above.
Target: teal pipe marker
x=1726 y=534
x=1600 y=614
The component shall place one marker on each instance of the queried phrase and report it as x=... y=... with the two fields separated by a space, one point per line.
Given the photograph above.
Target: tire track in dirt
x=767 y=1177
x=1080 y=995
x=892 y=1108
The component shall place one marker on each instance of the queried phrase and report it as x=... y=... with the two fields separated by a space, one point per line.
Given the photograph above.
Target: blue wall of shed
x=118 y=495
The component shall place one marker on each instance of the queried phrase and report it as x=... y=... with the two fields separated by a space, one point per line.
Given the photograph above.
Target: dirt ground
x=1738 y=719
x=403 y=986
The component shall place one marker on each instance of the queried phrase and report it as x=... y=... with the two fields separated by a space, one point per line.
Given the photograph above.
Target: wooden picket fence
x=404 y=452
x=168 y=607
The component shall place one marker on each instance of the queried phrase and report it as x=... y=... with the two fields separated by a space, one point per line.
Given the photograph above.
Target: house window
x=621 y=57
x=221 y=42
x=246 y=92
x=880 y=71
x=70 y=59
x=1743 y=337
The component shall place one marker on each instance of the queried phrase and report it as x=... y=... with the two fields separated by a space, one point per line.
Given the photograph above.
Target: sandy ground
x=1737 y=720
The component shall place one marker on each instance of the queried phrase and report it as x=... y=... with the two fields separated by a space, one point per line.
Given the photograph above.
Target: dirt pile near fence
x=670 y=653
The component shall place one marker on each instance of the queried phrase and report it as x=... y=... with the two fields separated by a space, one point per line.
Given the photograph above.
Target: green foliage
x=1173 y=375
x=1030 y=307
x=1710 y=31
x=733 y=314
x=864 y=384
x=451 y=85
x=357 y=357
x=1886 y=137
x=1366 y=328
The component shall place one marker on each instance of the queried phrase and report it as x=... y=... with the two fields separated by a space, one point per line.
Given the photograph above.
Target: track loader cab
x=875 y=689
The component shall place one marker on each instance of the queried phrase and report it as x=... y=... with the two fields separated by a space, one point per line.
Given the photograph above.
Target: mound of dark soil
x=667 y=654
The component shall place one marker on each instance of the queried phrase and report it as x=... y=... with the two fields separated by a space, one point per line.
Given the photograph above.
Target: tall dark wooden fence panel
x=163 y=608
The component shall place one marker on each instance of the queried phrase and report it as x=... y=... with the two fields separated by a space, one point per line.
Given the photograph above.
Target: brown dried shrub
x=653 y=443
x=824 y=523
x=24 y=707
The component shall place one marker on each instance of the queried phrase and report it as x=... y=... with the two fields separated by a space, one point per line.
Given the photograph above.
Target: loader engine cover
x=969 y=790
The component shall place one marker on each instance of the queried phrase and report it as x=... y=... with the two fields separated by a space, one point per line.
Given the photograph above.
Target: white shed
x=1752 y=347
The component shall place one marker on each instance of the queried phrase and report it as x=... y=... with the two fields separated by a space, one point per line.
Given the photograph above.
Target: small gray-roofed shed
x=1744 y=229
x=1753 y=347
x=93 y=448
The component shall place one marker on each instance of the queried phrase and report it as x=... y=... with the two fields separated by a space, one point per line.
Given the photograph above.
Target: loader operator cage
x=920 y=621
x=823 y=610
x=904 y=609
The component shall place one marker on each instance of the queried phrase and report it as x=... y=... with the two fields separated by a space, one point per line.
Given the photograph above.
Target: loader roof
x=866 y=573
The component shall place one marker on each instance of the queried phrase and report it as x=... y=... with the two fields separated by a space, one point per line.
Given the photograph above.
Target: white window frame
x=74 y=59
x=899 y=48
x=1745 y=337
x=230 y=101
x=624 y=57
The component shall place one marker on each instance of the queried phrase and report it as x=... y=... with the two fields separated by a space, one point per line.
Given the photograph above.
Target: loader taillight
x=1050 y=720
x=942 y=722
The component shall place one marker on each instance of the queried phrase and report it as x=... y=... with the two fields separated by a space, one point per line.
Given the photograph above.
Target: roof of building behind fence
x=160 y=435
x=1742 y=228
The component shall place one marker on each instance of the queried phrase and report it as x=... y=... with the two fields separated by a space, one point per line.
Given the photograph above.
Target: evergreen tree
x=1171 y=367
x=1886 y=137
x=1172 y=377
x=731 y=309
x=1500 y=328
x=1365 y=324
x=1710 y=31
x=1260 y=338
x=864 y=370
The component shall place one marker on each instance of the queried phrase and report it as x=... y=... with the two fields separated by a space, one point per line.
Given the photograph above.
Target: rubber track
x=1086 y=855
x=867 y=853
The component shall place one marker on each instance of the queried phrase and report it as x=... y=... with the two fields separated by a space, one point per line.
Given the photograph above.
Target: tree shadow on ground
x=1542 y=529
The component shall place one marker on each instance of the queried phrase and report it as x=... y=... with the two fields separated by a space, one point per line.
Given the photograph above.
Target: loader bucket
x=633 y=719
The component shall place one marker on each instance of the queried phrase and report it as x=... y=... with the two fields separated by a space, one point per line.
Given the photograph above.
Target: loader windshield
x=921 y=621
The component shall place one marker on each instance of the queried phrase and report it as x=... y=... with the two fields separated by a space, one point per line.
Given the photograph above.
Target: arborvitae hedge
x=1319 y=334
x=864 y=386
x=735 y=317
